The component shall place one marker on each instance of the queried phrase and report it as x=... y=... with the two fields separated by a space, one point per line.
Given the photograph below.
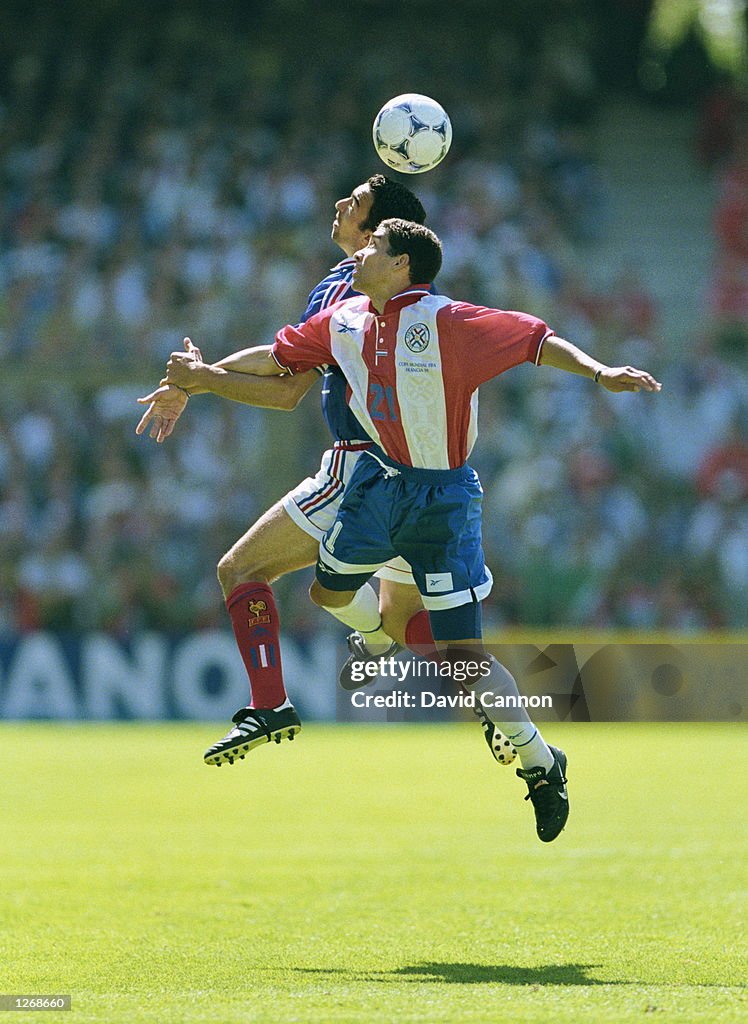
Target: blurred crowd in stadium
x=152 y=189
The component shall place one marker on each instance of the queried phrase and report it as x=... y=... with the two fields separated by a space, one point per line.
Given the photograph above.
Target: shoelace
x=543 y=789
x=245 y=714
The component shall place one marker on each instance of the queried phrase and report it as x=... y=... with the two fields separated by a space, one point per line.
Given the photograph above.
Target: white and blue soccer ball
x=412 y=133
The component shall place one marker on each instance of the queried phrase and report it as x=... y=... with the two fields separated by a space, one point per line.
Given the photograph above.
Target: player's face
x=350 y=214
x=375 y=264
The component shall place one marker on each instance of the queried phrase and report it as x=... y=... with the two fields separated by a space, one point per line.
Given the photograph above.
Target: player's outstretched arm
x=250 y=360
x=563 y=355
x=250 y=376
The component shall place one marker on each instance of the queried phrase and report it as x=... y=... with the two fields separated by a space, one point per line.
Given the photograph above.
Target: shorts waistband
x=424 y=476
x=352 y=446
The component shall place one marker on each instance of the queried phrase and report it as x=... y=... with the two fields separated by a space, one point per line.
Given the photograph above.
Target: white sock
x=362 y=614
x=534 y=752
x=532 y=749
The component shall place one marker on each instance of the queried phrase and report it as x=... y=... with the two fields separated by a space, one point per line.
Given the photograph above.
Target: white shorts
x=313 y=505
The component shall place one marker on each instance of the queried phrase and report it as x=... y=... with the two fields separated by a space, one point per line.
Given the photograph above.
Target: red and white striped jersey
x=413 y=370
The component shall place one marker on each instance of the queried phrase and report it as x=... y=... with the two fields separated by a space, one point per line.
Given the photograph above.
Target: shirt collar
x=344 y=264
x=412 y=294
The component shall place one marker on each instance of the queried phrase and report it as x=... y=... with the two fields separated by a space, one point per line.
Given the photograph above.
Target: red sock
x=419 y=638
x=256 y=628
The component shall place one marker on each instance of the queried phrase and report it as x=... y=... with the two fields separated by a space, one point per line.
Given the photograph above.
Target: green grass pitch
x=374 y=874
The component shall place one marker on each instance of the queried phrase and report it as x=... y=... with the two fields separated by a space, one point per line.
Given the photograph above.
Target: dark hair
x=421 y=245
x=391 y=199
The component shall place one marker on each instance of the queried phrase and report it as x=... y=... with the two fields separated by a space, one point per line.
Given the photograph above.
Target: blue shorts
x=432 y=518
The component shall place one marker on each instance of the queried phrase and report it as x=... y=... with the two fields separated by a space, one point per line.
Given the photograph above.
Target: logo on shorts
x=257 y=610
x=438 y=582
x=417 y=337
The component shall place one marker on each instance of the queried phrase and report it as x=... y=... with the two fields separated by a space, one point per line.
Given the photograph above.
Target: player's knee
x=317 y=594
x=226 y=575
x=231 y=573
x=222 y=568
x=325 y=598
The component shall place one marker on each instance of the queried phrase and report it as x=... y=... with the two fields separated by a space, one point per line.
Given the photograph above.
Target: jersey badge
x=417 y=337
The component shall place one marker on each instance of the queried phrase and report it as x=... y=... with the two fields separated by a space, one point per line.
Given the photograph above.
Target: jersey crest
x=417 y=337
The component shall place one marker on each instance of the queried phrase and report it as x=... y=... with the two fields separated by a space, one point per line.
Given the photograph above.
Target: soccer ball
x=412 y=133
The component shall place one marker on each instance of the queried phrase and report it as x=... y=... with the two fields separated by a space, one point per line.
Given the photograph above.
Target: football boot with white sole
x=253 y=727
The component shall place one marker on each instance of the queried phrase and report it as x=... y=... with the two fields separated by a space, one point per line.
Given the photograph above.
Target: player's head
x=418 y=243
x=391 y=199
x=377 y=199
x=399 y=253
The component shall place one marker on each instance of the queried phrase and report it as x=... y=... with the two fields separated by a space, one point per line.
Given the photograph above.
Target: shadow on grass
x=480 y=974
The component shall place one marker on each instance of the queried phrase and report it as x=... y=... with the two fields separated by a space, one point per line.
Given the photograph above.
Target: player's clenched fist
x=181 y=365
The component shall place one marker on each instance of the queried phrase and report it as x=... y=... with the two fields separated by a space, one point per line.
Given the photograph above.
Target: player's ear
x=402 y=261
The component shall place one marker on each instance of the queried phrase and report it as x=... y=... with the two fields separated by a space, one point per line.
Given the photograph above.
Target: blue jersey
x=342 y=423
x=334 y=288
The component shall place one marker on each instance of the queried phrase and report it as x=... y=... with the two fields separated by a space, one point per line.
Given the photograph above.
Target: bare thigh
x=398 y=603
x=270 y=548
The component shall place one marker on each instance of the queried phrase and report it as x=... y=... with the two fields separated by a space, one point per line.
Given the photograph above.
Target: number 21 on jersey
x=382 y=402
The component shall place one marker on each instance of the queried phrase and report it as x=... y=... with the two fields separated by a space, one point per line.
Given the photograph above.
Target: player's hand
x=193 y=350
x=165 y=406
x=182 y=365
x=628 y=378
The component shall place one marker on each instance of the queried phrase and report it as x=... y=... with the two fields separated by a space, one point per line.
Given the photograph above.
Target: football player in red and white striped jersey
x=413 y=362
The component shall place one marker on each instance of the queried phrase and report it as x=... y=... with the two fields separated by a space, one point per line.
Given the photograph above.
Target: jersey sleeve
x=304 y=347
x=313 y=304
x=327 y=293
x=494 y=340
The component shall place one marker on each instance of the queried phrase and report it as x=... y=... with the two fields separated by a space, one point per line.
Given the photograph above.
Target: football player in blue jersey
x=287 y=536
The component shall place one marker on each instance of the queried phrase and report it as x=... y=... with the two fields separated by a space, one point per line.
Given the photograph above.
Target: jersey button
x=381 y=323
